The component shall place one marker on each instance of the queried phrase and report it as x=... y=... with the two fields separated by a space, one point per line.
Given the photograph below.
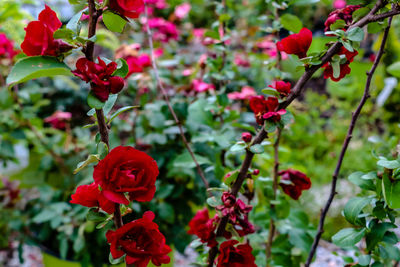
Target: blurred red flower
x=297 y=44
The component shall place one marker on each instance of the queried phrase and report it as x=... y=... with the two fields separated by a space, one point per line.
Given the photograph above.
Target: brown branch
x=271 y=232
x=167 y=100
x=297 y=91
x=346 y=142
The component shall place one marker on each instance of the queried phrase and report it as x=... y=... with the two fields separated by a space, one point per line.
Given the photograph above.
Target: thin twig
x=297 y=91
x=167 y=100
x=346 y=142
x=271 y=232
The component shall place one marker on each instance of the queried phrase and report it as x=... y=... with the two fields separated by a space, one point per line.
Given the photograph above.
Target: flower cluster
x=39 y=36
x=127 y=173
x=296 y=44
x=266 y=109
x=345 y=14
x=346 y=57
x=245 y=93
x=7 y=50
x=204 y=227
x=282 y=87
x=164 y=30
x=137 y=63
x=100 y=75
x=294 y=182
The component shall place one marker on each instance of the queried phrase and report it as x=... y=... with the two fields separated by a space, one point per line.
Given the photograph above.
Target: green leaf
x=348 y=237
x=270 y=127
x=185 y=160
x=389 y=164
x=35 y=67
x=229 y=180
x=287 y=118
x=270 y=91
x=391 y=192
x=347 y=46
x=89 y=160
x=378 y=231
x=213 y=202
x=65 y=34
x=355 y=34
x=388 y=251
x=291 y=22
x=115 y=261
x=212 y=34
x=166 y=212
x=239 y=146
x=119 y=111
x=102 y=149
x=336 y=69
x=394 y=69
x=95 y=216
x=359 y=13
x=364 y=260
x=358 y=179
x=122 y=69
x=114 y=22
x=109 y=104
x=94 y=102
x=44 y=216
x=353 y=209
x=338 y=24
x=73 y=23
x=257 y=149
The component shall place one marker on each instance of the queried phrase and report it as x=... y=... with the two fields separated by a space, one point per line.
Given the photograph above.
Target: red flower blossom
x=239 y=256
x=126 y=170
x=164 y=30
x=266 y=109
x=297 y=44
x=344 y=68
x=244 y=94
x=39 y=36
x=204 y=227
x=127 y=8
x=7 y=47
x=100 y=77
x=141 y=241
x=90 y=196
x=345 y=14
x=282 y=87
x=137 y=63
x=299 y=182
x=58 y=119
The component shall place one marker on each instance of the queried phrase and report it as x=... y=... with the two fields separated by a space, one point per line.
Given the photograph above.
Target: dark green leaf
x=391 y=192
x=357 y=179
x=123 y=68
x=353 y=209
x=119 y=111
x=348 y=237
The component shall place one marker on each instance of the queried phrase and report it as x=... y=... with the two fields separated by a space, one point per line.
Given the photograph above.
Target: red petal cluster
x=282 y=87
x=100 y=77
x=7 y=48
x=345 y=14
x=299 y=182
x=266 y=109
x=204 y=227
x=344 y=68
x=137 y=63
x=126 y=170
x=141 y=241
x=239 y=256
x=39 y=36
x=91 y=196
x=127 y=8
x=164 y=30
x=296 y=44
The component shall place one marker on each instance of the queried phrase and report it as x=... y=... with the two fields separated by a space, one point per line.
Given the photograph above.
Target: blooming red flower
x=126 y=170
x=299 y=182
x=266 y=109
x=90 y=196
x=344 y=68
x=141 y=241
x=39 y=36
x=137 y=63
x=239 y=256
x=100 y=77
x=345 y=14
x=6 y=47
x=282 y=87
x=127 y=8
x=204 y=227
x=297 y=44
x=58 y=119
x=246 y=136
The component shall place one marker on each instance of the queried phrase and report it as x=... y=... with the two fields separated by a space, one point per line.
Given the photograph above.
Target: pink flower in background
x=163 y=30
x=7 y=47
x=241 y=61
x=187 y=72
x=158 y=52
x=201 y=86
x=159 y=4
x=137 y=63
x=199 y=33
x=58 y=119
x=182 y=10
x=339 y=4
x=245 y=93
x=269 y=48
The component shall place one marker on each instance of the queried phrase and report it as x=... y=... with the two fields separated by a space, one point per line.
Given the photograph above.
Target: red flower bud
x=256 y=172
x=247 y=137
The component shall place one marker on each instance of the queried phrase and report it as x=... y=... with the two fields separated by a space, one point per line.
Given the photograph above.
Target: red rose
x=141 y=241
x=127 y=8
x=239 y=256
x=204 y=227
x=39 y=36
x=100 y=77
x=344 y=68
x=298 y=182
x=282 y=87
x=266 y=109
x=90 y=196
x=297 y=44
x=126 y=170
x=345 y=14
